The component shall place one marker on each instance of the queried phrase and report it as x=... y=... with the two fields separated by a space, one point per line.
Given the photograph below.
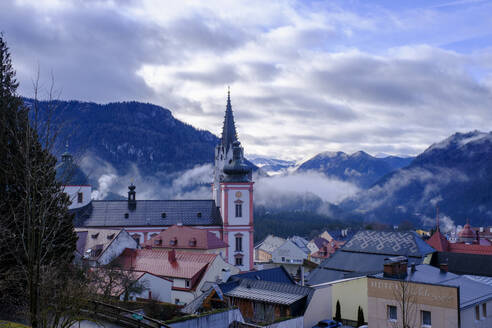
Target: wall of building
x=262 y=256
x=157 y=288
x=288 y=253
x=320 y=306
x=116 y=247
x=468 y=316
x=351 y=293
x=441 y=301
x=215 y=271
x=183 y=296
x=222 y=319
x=72 y=192
x=146 y=232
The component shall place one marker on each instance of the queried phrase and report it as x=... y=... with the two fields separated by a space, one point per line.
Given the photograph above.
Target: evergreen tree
x=360 y=317
x=338 y=312
x=37 y=240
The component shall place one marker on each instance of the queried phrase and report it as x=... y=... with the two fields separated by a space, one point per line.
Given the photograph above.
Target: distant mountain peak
x=460 y=139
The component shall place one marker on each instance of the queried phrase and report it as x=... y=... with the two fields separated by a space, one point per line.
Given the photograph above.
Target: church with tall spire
x=228 y=214
x=233 y=193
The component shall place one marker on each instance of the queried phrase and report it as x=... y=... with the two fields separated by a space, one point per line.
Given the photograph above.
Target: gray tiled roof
x=111 y=213
x=389 y=243
x=271 y=292
x=301 y=243
x=366 y=252
x=278 y=274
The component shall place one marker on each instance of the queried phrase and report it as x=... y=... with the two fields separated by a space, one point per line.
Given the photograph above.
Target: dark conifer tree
x=338 y=312
x=37 y=240
x=360 y=317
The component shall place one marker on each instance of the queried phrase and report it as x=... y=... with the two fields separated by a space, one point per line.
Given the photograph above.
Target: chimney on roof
x=395 y=267
x=172 y=256
x=413 y=268
x=443 y=267
x=132 y=202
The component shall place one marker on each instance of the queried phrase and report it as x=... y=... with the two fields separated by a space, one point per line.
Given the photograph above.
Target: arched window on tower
x=239 y=242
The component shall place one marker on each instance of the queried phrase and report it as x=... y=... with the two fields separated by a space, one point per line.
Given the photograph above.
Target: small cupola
x=237 y=170
x=132 y=201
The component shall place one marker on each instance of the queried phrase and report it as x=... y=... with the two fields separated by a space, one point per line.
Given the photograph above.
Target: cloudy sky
x=383 y=76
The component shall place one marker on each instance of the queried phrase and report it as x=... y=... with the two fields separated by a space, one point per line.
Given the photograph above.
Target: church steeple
x=229 y=134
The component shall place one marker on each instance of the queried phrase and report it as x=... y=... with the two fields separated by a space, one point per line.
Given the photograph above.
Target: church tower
x=233 y=194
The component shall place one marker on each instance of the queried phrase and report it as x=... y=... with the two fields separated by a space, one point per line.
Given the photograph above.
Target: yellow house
x=350 y=292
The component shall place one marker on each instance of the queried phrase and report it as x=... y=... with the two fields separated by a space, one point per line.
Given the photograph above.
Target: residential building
x=327 y=250
x=188 y=271
x=366 y=251
x=350 y=293
x=228 y=214
x=263 y=302
x=156 y=288
x=101 y=246
x=187 y=239
x=434 y=297
x=316 y=243
x=264 y=250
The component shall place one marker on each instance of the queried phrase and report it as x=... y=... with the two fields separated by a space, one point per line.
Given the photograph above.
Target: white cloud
x=305 y=76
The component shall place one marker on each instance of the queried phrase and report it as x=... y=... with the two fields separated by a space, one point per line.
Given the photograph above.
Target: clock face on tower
x=238 y=194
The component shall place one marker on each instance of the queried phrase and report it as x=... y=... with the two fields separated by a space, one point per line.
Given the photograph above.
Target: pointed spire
x=229 y=134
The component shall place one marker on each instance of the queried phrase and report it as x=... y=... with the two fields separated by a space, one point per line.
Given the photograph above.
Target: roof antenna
x=437 y=217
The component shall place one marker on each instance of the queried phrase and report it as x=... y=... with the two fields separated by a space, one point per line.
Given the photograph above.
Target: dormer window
x=158 y=242
x=127 y=215
x=163 y=215
x=199 y=214
x=94 y=236
x=173 y=242
x=192 y=242
x=111 y=236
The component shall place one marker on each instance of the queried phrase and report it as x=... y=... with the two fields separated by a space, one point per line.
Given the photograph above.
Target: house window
x=426 y=318
x=239 y=261
x=477 y=312
x=173 y=242
x=484 y=310
x=187 y=283
x=80 y=197
x=283 y=259
x=176 y=301
x=392 y=313
x=239 y=210
x=239 y=244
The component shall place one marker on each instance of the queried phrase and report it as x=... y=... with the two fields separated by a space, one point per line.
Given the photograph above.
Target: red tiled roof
x=470 y=249
x=438 y=242
x=184 y=235
x=328 y=249
x=441 y=244
x=156 y=261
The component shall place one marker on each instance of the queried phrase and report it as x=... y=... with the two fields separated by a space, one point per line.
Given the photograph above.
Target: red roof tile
x=157 y=262
x=186 y=238
x=441 y=244
x=438 y=242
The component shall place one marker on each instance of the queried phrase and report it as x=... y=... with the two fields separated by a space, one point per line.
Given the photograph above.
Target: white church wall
x=73 y=194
